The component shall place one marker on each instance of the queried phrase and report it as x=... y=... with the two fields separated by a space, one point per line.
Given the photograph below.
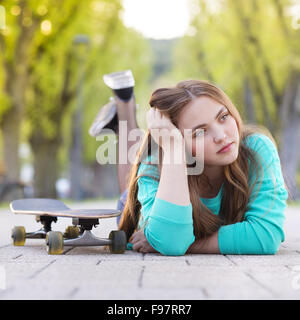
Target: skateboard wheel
x=72 y=232
x=118 y=241
x=55 y=242
x=18 y=235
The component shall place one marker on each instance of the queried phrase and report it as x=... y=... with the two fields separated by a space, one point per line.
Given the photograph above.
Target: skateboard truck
x=86 y=237
x=80 y=234
x=19 y=235
x=55 y=241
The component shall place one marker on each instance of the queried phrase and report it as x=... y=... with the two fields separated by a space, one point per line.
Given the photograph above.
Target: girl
x=234 y=206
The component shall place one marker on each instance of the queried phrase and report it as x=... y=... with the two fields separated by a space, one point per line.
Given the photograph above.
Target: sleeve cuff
x=171 y=212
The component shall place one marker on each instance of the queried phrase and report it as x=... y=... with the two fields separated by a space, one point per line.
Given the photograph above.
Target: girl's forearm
x=209 y=245
x=173 y=185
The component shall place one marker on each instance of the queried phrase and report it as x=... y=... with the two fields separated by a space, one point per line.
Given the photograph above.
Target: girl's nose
x=219 y=137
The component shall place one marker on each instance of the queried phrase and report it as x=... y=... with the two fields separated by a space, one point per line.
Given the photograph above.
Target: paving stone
x=103 y=253
x=41 y=291
x=282 y=281
x=208 y=260
x=116 y=294
x=34 y=252
x=215 y=282
x=292 y=244
x=102 y=275
x=158 y=256
x=283 y=256
x=19 y=277
x=94 y=273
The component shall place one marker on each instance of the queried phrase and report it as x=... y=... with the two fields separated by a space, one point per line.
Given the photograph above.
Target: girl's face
x=213 y=128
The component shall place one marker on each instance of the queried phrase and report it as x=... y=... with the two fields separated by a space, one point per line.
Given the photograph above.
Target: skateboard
x=79 y=234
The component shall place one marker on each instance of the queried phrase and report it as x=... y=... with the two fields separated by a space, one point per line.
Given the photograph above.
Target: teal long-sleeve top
x=168 y=227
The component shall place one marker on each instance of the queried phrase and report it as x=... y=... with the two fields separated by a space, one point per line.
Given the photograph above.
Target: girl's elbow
x=174 y=251
x=174 y=248
x=172 y=241
x=271 y=247
x=271 y=243
x=268 y=239
x=273 y=240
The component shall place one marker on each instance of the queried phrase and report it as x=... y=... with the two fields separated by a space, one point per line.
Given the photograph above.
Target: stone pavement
x=92 y=273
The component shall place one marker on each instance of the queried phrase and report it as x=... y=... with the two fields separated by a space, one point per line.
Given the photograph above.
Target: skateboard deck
x=56 y=208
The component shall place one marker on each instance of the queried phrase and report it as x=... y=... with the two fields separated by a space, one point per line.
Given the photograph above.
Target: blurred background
x=53 y=55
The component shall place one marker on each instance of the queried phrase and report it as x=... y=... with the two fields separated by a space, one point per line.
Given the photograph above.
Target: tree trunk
x=76 y=167
x=105 y=180
x=44 y=149
x=249 y=107
x=10 y=135
x=290 y=155
x=15 y=82
x=11 y=121
x=290 y=151
x=45 y=167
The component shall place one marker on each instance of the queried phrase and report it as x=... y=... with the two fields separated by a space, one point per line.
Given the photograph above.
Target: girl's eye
x=199 y=132
x=225 y=116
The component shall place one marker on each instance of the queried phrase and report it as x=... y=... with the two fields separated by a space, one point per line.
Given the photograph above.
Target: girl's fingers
x=134 y=237
x=137 y=246
x=131 y=239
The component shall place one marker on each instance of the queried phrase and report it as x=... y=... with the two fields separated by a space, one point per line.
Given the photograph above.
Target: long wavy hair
x=236 y=189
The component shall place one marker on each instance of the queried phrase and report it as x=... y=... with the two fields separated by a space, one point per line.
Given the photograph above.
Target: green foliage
x=56 y=64
x=239 y=40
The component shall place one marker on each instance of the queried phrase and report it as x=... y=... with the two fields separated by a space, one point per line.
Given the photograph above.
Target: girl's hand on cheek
x=162 y=130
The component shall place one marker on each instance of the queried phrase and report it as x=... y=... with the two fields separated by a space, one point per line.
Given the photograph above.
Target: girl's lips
x=226 y=148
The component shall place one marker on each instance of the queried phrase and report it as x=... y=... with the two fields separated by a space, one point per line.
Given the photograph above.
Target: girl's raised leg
x=126 y=111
